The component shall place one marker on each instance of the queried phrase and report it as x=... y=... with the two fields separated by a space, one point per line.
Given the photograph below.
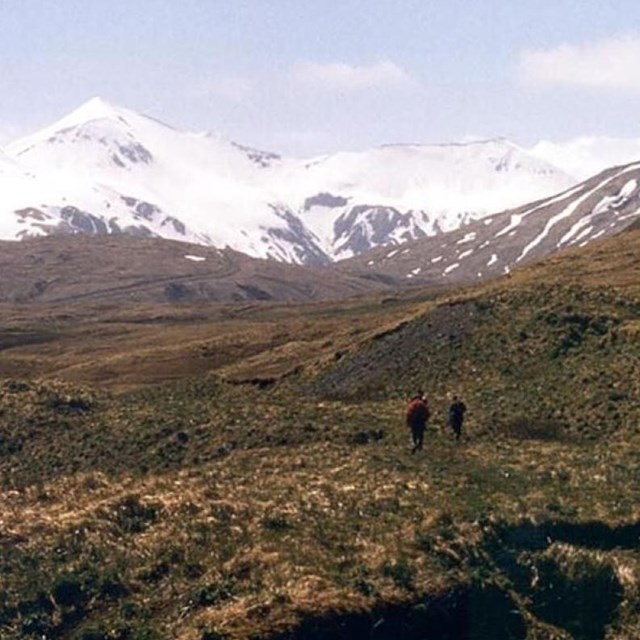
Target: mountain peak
x=104 y=168
x=97 y=110
x=94 y=109
x=97 y=105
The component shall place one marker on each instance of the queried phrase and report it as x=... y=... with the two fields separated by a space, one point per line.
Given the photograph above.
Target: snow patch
x=515 y=220
x=584 y=226
x=467 y=238
x=566 y=212
x=450 y=268
x=613 y=202
x=195 y=258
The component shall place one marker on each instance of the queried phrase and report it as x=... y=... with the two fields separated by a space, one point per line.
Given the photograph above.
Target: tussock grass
x=254 y=540
x=175 y=501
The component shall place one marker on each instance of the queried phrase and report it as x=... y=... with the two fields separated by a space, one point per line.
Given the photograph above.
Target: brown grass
x=159 y=499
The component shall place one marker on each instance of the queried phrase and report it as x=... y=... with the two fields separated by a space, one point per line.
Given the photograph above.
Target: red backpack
x=417 y=411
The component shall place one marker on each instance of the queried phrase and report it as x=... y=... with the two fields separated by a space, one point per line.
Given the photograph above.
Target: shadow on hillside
x=590 y=535
x=571 y=585
x=579 y=593
x=475 y=612
x=15 y=338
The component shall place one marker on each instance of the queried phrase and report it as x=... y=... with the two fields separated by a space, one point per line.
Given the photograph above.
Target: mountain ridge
x=119 y=269
x=602 y=206
x=114 y=266
x=205 y=189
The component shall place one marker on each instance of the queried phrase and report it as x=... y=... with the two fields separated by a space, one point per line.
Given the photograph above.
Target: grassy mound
x=541 y=362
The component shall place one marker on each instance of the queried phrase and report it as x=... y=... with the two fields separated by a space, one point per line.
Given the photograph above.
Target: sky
x=302 y=77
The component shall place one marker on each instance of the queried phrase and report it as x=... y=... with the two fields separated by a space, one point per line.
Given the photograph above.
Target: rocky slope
x=597 y=208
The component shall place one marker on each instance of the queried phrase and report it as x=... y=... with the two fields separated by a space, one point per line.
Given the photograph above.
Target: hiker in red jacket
x=417 y=416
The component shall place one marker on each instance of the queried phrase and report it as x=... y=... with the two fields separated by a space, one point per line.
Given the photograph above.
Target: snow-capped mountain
x=599 y=207
x=399 y=192
x=117 y=171
x=105 y=169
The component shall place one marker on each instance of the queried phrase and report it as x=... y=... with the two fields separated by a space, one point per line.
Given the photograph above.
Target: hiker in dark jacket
x=417 y=416
x=456 y=416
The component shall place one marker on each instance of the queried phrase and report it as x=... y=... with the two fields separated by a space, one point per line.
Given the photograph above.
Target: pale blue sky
x=302 y=77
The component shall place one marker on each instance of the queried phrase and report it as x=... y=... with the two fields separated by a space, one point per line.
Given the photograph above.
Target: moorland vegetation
x=204 y=471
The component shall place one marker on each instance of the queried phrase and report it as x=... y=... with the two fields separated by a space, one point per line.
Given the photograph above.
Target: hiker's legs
x=417 y=433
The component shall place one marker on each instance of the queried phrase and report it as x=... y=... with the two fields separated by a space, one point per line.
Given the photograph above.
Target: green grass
x=184 y=504
x=151 y=524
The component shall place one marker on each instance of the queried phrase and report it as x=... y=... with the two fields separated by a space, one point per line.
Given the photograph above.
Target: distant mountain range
x=104 y=170
x=118 y=268
x=391 y=216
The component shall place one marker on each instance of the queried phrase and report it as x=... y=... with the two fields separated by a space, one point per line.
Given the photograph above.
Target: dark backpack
x=456 y=412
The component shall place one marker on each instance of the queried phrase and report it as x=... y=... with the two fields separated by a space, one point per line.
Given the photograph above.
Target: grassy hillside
x=124 y=270
x=244 y=472
x=555 y=346
x=549 y=358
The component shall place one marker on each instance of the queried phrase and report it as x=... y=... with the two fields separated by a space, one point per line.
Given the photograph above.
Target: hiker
x=456 y=416
x=417 y=416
